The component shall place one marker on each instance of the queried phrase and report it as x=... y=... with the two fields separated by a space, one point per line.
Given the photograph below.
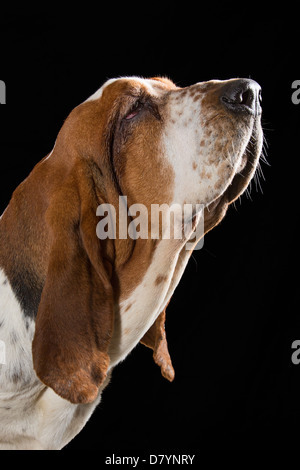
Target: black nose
x=242 y=95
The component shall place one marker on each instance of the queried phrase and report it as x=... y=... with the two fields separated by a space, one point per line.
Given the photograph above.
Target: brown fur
x=156 y=339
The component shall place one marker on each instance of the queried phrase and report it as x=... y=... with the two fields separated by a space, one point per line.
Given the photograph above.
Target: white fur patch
x=17 y=335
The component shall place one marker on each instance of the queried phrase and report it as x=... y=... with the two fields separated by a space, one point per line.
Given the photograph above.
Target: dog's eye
x=134 y=110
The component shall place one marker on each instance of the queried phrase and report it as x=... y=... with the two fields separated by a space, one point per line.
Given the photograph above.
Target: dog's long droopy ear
x=75 y=317
x=156 y=339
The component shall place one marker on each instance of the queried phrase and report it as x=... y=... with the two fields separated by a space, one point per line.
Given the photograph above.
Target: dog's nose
x=242 y=95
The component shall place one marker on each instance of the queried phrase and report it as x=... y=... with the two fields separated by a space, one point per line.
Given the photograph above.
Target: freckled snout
x=242 y=96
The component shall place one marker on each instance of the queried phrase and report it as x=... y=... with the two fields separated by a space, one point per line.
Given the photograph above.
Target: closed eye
x=134 y=110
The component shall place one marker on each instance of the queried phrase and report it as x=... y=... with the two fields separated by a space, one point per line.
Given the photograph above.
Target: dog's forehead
x=154 y=86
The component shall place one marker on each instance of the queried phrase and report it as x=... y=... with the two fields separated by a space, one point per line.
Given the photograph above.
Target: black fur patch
x=28 y=289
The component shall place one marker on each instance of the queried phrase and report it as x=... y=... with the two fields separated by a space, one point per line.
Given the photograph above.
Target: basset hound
x=72 y=305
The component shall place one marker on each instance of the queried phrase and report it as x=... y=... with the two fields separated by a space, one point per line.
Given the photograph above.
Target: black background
x=235 y=313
